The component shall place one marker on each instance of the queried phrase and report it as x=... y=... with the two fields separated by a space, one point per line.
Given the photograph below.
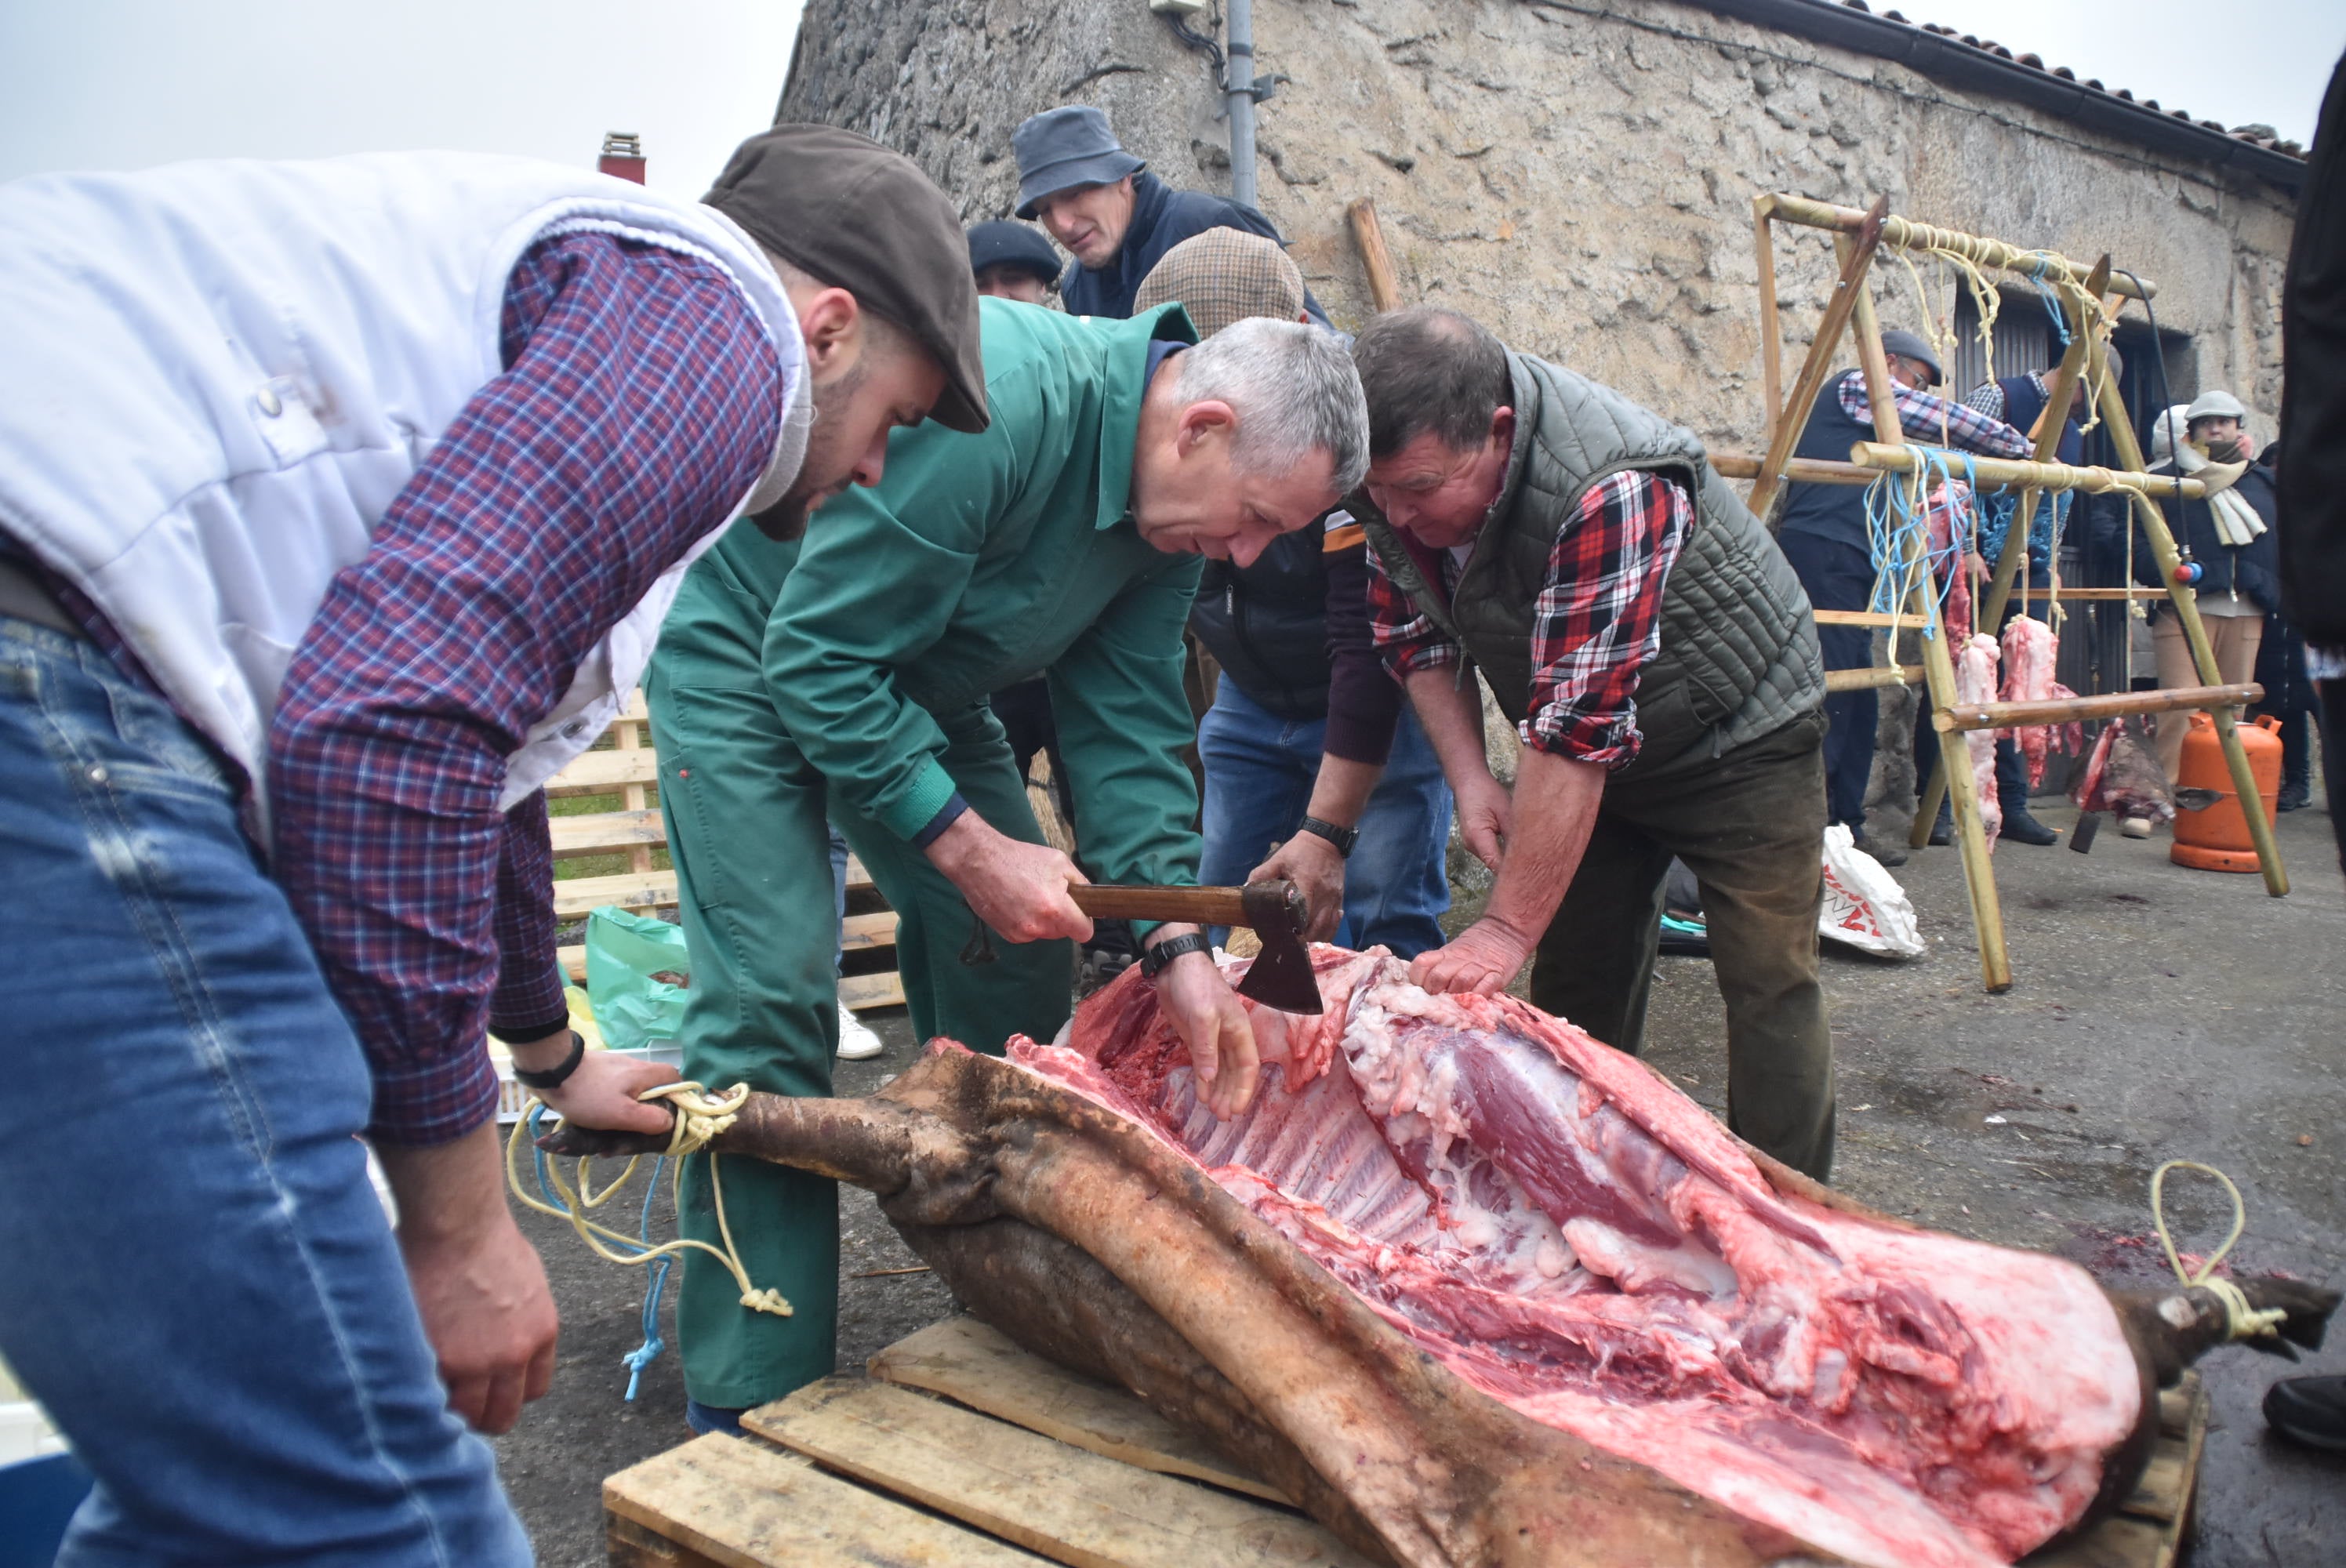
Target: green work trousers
x=1750 y=827
x=746 y=814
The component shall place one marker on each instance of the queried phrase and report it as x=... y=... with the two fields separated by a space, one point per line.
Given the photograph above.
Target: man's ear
x=832 y=323
x=1503 y=426
x=1203 y=420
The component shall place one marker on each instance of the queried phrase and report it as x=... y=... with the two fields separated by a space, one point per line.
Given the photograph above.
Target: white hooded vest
x=219 y=375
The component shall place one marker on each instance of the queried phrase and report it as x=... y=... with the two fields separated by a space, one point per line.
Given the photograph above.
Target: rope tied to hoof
x=2241 y=1321
x=701 y=1119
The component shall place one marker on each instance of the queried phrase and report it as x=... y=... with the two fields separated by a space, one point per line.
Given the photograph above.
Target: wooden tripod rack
x=2081 y=293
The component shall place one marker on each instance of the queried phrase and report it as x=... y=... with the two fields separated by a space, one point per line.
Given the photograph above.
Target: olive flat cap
x=857 y=216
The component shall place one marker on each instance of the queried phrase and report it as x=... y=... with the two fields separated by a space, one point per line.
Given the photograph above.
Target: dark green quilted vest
x=1738 y=650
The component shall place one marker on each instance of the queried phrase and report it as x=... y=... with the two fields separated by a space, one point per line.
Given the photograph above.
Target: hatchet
x=1280 y=975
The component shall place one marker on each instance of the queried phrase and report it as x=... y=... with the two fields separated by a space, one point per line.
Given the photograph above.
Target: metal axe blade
x=1280 y=975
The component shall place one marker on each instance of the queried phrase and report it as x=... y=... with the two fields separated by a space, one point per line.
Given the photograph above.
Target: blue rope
x=645 y=1354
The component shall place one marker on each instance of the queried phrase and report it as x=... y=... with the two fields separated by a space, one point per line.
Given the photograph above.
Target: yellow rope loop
x=2241 y=1321
x=700 y=1117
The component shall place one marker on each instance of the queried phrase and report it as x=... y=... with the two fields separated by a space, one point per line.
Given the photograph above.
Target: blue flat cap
x=1061 y=148
x=1909 y=345
x=999 y=242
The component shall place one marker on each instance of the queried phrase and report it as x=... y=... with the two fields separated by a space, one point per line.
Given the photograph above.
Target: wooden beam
x=1384 y=287
x=1789 y=421
x=1771 y=330
x=2076 y=709
x=1796 y=470
x=2012 y=473
x=1904 y=234
x=1868 y=618
x=1879 y=675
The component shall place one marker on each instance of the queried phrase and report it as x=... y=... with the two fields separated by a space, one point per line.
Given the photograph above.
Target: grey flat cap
x=1909 y=346
x=1061 y=148
x=2214 y=403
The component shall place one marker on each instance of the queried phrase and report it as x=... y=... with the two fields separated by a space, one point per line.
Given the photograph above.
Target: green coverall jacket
x=977 y=562
x=845 y=677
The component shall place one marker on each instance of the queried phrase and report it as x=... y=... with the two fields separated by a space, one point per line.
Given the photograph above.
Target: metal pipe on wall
x=1239 y=83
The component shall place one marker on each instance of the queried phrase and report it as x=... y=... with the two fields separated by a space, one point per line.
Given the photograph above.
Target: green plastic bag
x=637 y=975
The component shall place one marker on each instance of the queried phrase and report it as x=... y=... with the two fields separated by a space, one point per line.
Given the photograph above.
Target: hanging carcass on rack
x=2030 y=652
x=1477 y=1289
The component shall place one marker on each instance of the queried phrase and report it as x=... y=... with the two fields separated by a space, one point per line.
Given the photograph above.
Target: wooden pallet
x=629 y=769
x=961 y=1448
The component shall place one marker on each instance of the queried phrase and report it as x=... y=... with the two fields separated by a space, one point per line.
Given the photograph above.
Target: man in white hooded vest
x=340 y=504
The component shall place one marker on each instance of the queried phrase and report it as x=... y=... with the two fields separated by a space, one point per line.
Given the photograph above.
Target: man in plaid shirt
x=1657 y=655
x=347 y=511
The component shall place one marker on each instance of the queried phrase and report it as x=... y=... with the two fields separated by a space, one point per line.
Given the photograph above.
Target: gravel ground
x=2157 y=1013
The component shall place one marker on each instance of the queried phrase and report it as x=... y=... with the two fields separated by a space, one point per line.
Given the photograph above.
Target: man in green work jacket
x=846 y=673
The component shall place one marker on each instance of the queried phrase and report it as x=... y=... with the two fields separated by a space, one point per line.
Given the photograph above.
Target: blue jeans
x=1259 y=774
x=201 y=1284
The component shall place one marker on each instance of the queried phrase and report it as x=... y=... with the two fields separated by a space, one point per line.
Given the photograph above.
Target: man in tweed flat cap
x=1306 y=745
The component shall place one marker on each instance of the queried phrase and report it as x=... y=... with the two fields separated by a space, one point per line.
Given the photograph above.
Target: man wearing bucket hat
x=1824 y=534
x=311 y=576
x=1116 y=218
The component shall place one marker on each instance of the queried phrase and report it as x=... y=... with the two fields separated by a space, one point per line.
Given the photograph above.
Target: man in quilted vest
x=1657 y=656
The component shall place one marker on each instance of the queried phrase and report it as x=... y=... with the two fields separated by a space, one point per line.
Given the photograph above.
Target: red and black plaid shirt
x=1596 y=626
x=640 y=400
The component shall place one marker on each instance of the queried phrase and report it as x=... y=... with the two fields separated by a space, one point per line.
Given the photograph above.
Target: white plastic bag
x=1864 y=906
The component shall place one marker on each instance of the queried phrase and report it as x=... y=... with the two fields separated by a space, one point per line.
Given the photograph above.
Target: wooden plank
x=2113 y=1543
x=605 y=772
x=576 y=897
x=602 y=832
x=861 y=933
x=862 y=992
x=981 y=1367
x=1072 y=1506
x=741 y=1505
x=1906 y=618
x=2109 y=705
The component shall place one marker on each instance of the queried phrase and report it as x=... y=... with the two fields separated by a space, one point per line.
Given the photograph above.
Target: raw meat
x=1475 y=1290
x=2030 y=651
x=1951 y=531
x=1975 y=683
x=2122 y=775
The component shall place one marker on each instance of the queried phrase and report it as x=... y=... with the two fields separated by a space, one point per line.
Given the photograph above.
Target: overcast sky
x=121 y=84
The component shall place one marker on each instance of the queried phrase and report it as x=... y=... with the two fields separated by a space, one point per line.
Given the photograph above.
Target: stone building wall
x=1579 y=178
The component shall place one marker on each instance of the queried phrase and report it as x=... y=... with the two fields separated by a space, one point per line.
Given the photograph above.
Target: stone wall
x=1578 y=177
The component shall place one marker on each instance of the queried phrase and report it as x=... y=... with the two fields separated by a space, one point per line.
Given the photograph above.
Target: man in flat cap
x=846 y=678
x=1822 y=530
x=1306 y=745
x=1115 y=217
x=347 y=513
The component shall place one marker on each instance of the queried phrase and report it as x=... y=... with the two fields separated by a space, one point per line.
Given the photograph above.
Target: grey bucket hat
x=1060 y=148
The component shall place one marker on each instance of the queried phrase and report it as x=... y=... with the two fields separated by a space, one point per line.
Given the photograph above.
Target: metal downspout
x=1240 y=86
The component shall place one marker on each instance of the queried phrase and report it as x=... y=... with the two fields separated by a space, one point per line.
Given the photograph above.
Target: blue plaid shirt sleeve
x=640 y=400
x=1937 y=421
x=528 y=1004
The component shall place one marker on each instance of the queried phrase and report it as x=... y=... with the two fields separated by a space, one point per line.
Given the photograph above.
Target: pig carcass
x=2030 y=651
x=1975 y=683
x=1475 y=1290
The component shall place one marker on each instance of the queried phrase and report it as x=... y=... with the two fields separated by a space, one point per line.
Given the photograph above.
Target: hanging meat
x=1975 y=683
x=1475 y=1290
x=2030 y=653
x=2122 y=775
x=1953 y=540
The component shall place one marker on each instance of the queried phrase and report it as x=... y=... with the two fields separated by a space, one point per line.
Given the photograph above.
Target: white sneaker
x=857 y=1043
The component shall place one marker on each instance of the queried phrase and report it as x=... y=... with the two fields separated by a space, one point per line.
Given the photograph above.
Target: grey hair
x=1294 y=391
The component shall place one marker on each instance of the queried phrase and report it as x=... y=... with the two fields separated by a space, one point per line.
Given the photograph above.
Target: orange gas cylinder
x=2216 y=839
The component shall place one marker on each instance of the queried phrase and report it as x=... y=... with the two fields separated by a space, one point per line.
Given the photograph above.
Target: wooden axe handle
x=1198 y=906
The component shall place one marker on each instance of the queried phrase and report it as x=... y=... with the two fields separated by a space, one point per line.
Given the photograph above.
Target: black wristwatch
x=554 y=1077
x=1342 y=837
x=1153 y=961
